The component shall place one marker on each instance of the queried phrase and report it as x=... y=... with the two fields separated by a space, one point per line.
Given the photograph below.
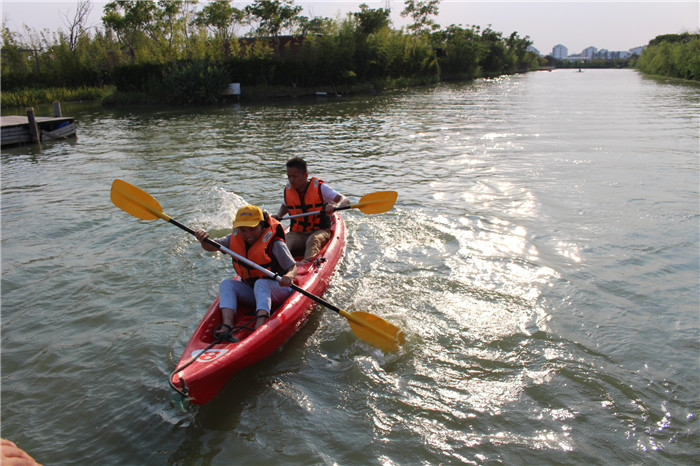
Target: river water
x=542 y=258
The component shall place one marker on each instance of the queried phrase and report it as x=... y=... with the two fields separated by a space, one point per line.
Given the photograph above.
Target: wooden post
x=57 y=109
x=33 y=128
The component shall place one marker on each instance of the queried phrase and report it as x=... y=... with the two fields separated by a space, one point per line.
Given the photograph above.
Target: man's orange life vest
x=259 y=252
x=311 y=200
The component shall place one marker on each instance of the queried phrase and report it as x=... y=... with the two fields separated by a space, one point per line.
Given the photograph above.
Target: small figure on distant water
x=12 y=455
x=308 y=234
x=259 y=238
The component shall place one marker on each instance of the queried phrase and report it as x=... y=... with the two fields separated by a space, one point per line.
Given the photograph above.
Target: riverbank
x=662 y=79
x=263 y=93
x=109 y=96
x=29 y=97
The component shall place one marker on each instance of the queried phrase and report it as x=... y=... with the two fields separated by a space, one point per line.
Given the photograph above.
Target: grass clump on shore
x=30 y=97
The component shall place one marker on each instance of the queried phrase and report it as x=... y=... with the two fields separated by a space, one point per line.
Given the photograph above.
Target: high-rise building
x=560 y=52
x=589 y=52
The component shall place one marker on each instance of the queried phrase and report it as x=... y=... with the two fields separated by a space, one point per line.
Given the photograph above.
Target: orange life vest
x=259 y=252
x=311 y=200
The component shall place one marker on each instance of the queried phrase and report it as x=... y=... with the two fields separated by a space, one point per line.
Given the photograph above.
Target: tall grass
x=29 y=97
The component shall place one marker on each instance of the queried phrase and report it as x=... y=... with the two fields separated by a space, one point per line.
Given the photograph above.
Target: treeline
x=594 y=63
x=177 y=52
x=673 y=55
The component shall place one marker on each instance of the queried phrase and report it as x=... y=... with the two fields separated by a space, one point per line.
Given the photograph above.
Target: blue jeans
x=263 y=295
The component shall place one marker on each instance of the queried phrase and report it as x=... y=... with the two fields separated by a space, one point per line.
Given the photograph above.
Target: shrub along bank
x=145 y=61
x=672 y=55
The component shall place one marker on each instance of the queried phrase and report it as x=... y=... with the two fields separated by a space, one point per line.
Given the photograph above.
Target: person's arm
x=341 y=201
x=202 y=237
x=288 y=278
x=283 y=210
x=333 y=199
x=286 y=261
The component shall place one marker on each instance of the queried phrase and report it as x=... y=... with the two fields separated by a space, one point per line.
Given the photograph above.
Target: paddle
x=372 y=203
x=367 y=326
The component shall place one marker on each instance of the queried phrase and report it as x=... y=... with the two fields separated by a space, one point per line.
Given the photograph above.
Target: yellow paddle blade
x=375 y=330
x=377 y=203
x=135 y=201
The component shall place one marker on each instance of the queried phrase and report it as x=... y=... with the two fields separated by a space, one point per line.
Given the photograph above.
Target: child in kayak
x=259 y=238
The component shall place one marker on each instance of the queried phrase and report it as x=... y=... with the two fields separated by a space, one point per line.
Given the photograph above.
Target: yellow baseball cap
x=248 y=216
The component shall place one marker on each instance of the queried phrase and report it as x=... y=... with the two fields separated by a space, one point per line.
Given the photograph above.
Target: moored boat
x=207 y=363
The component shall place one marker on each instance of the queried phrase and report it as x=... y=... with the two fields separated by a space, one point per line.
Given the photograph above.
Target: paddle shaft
x=372 y=203
x=318 y=212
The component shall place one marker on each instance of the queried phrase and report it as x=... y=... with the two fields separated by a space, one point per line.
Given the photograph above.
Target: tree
x=273 y=16
x=76 y=26
x=221 y=18
x=672 y=38
x=14 y=56
x=129 y=19
x=171 y=27
x=371 y=20
x=518 y=47
x=495 y=60
x=461 y=51
x=674 y=55
x=420 y=12
x=316 y=25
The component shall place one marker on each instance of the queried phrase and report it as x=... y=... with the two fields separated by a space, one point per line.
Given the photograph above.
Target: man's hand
x=12 y=455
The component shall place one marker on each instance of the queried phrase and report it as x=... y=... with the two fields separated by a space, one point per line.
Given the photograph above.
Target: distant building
x=560 y=52
x=608 y=55
x=589 y=52
x=532 y=49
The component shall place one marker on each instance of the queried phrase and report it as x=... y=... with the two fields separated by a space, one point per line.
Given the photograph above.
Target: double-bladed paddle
x=372 y=203
x=367 y=326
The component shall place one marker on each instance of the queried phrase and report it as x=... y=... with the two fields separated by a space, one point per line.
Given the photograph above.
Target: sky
x=615 y=26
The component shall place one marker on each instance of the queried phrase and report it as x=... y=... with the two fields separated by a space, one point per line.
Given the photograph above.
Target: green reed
x=29 y=97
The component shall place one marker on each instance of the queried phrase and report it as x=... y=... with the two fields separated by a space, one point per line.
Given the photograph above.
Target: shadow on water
x=223 y=412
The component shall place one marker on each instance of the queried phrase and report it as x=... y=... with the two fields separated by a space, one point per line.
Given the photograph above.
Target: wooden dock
x=30 y=129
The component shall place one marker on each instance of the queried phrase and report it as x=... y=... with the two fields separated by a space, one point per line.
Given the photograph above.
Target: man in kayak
x=259 y=238
x=308 y=234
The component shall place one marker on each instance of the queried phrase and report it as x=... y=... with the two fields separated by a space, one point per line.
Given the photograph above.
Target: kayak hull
x=201 y=379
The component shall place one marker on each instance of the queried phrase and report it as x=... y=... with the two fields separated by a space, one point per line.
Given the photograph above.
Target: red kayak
x=206 y=364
